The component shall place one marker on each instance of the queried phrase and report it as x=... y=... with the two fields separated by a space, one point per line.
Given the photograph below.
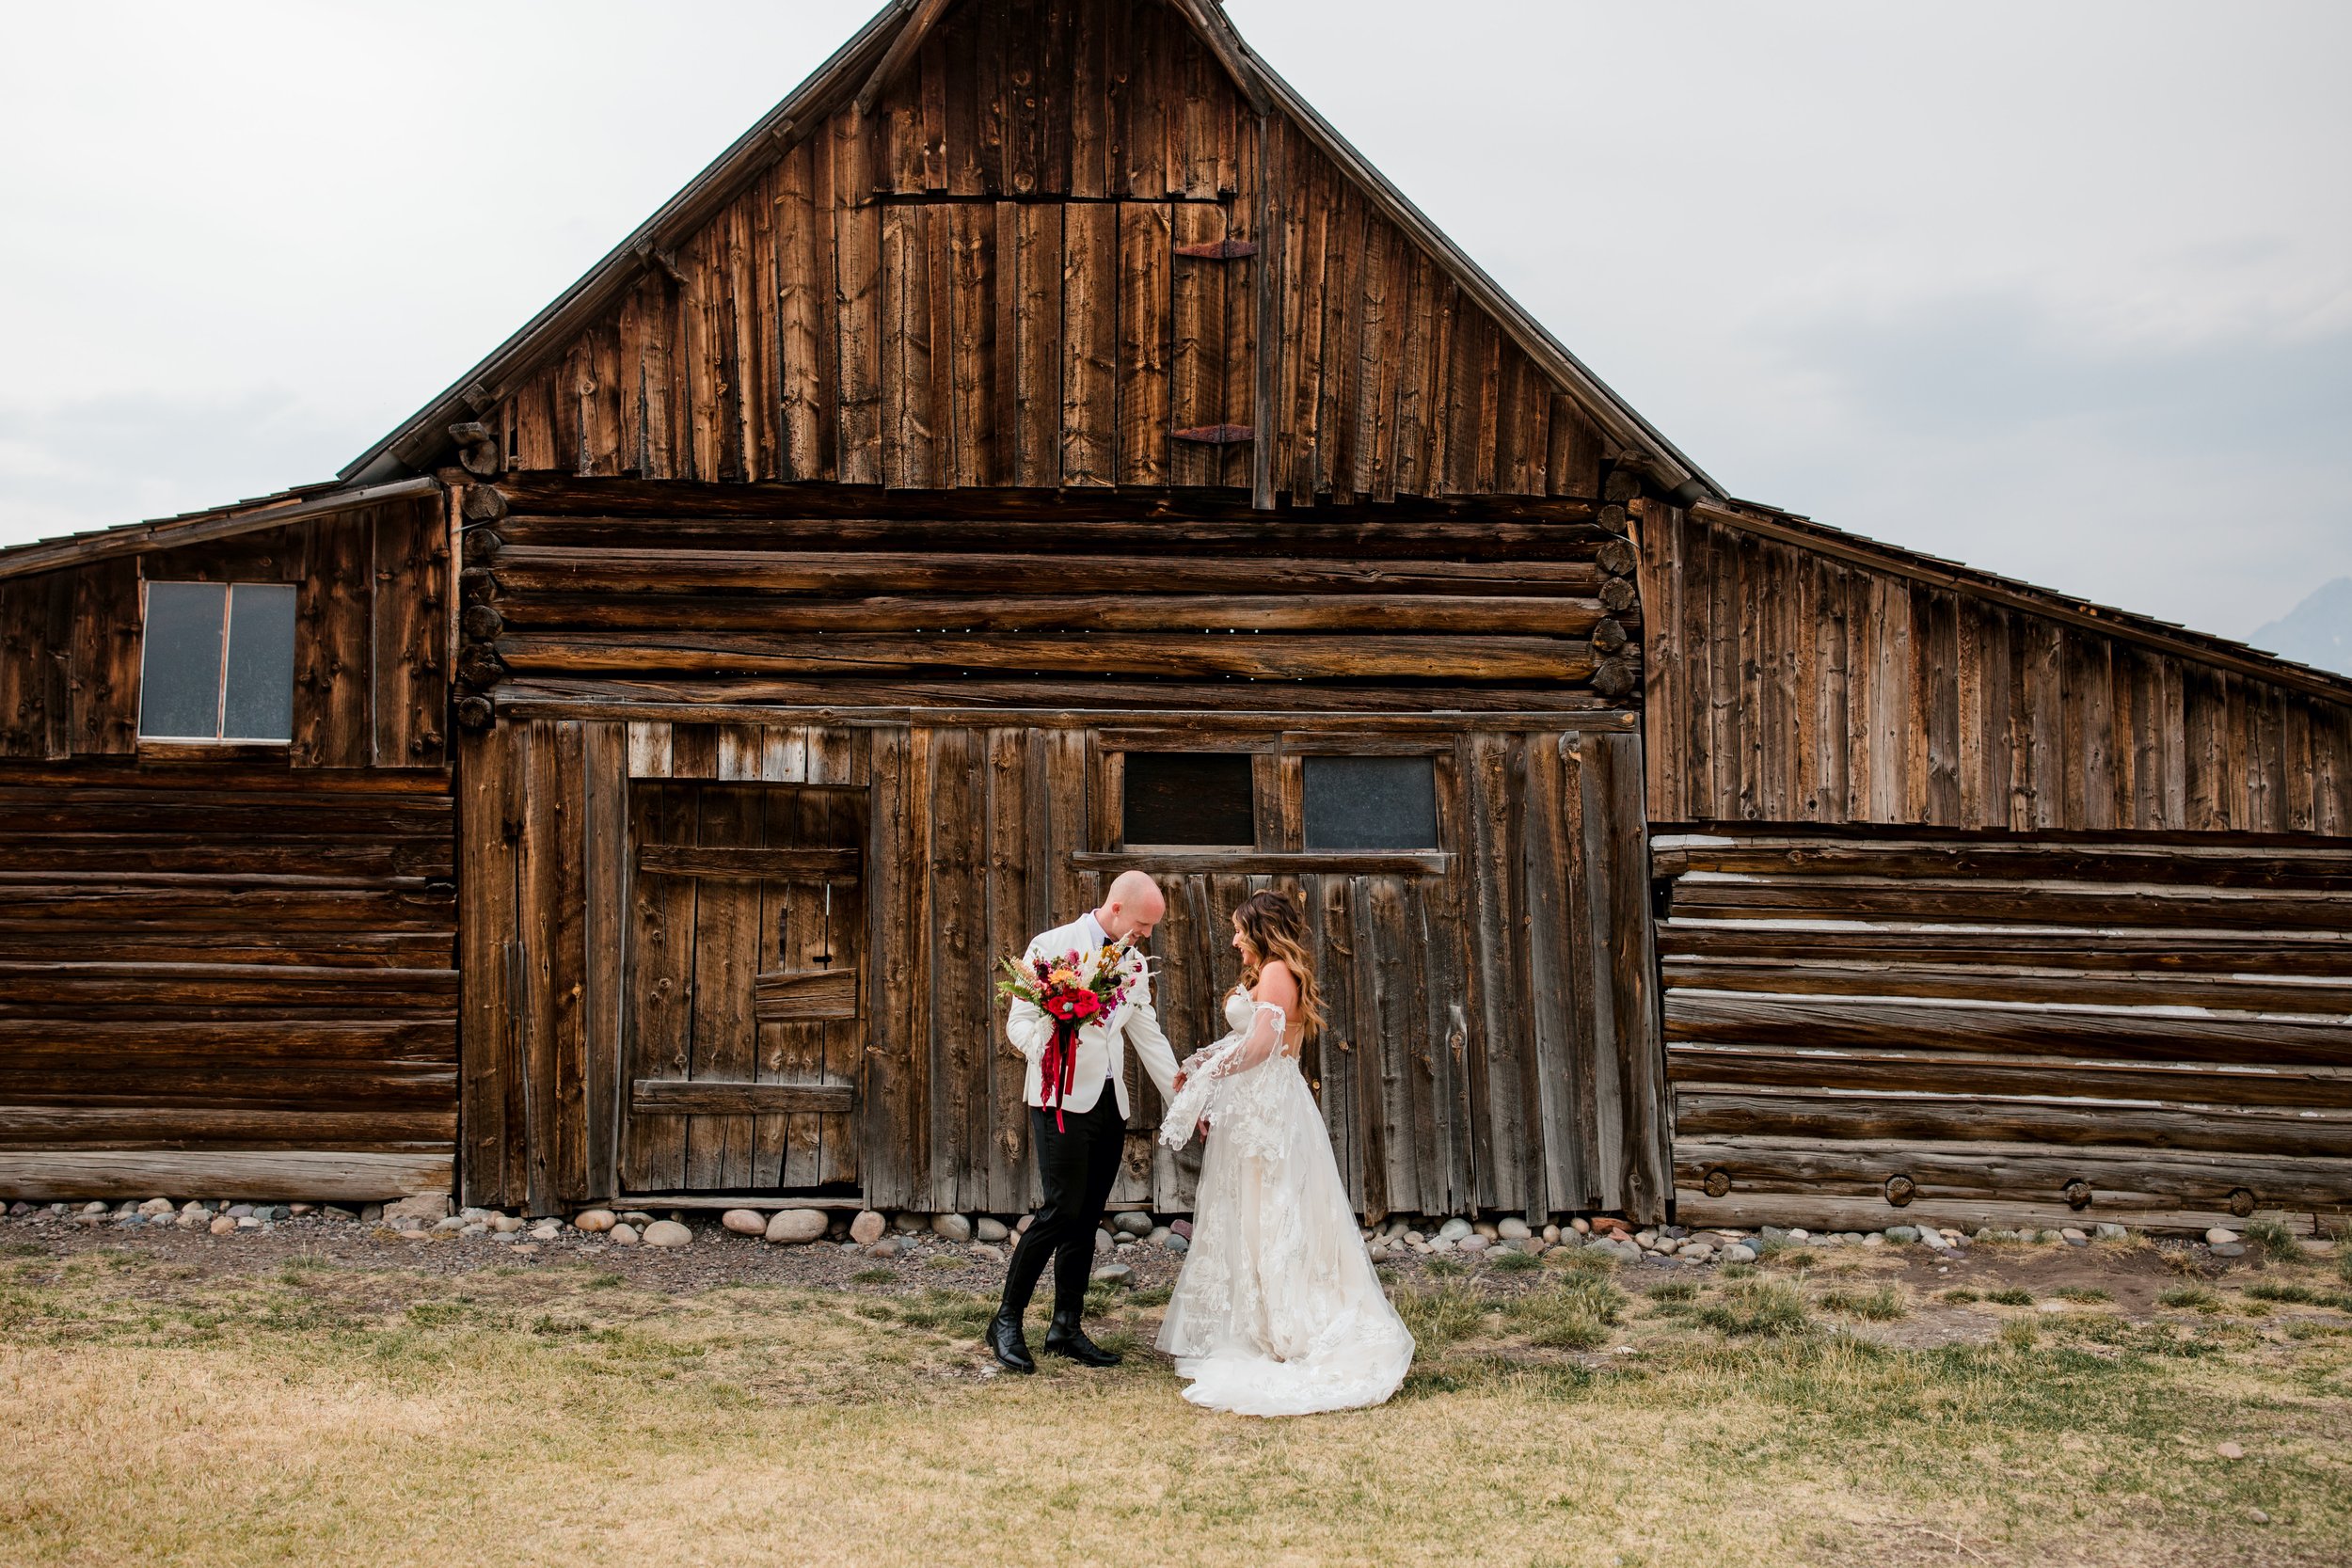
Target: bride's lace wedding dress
x=1277 y=1311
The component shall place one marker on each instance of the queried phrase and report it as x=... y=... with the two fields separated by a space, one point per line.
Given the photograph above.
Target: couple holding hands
x=1278 y=1310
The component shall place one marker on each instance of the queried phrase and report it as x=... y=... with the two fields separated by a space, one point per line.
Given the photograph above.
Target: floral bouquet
x=1073 y=990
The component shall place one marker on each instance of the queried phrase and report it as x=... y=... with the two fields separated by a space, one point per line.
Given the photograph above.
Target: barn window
x=1370 y=803
x=1190 y=798
x=218 y=661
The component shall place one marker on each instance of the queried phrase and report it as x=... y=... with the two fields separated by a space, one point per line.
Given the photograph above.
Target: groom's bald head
x=1132 y=908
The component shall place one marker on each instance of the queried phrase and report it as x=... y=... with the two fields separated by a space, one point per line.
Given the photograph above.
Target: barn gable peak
x=1135 y=202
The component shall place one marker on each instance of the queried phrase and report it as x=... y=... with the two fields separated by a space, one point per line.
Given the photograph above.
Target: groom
x=1077 y=1161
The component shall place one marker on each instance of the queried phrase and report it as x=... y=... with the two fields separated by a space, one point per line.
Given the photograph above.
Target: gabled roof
x=859 y=68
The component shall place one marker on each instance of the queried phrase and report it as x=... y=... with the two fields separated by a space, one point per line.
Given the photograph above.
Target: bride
x=1277 y=1311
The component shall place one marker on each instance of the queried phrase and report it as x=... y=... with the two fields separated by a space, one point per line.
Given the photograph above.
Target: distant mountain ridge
x=2317 y=631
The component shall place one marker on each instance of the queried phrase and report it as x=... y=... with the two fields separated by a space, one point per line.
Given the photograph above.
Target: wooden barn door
x=746 y=1009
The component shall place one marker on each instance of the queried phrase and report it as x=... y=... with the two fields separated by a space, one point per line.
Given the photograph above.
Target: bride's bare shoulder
x=1277 y=984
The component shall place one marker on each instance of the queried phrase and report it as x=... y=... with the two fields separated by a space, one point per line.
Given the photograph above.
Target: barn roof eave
x=295 y=505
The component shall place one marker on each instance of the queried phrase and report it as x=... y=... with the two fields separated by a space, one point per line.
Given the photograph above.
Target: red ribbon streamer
x=1059 y=1065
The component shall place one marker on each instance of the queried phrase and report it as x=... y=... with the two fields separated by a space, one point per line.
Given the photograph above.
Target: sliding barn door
x=746 y=1012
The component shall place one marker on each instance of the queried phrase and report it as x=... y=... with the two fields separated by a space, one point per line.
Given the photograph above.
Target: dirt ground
x=2134 y=1275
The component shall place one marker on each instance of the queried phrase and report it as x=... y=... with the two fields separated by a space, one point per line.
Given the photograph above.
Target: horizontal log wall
x=1989 y=1020
x=1789 y=685
x=997 y=277
x=226 y=982
x=627 y=589
x=372 y=641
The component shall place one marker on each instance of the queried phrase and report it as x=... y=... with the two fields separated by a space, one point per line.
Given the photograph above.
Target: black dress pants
x=1076 y=1165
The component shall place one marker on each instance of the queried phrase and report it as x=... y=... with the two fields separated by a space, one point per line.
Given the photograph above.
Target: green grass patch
x=874 y=1277
x=2300 y=1295
x=1516 y=1262
x=2082 y=1294
x=1884 y=1305
x=1441 y=1316
x=1673 y=1289
x=1770 y=1308
x=1960 y=1297
x=1577 y=1313
x=953 y=1312
x=1582 y=1260
x=2010 y=1295
x=2276 y=1240
x=2194 y=1298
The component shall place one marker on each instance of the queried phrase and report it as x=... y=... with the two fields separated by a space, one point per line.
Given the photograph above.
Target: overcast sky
x=2062 y=291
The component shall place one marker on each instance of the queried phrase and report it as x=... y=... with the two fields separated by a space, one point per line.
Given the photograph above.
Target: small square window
x=217 y=661
x=1370 y=803
x=1196 y=798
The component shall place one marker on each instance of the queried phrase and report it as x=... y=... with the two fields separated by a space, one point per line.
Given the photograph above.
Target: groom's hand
x=1201 y=1131
x=1179 y=1086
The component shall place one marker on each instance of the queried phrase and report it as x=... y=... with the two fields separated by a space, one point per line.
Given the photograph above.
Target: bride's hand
x=1201 y=1131
x=1179 y=1086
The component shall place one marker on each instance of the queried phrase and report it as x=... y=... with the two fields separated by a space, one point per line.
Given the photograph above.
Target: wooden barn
x=1040 y=446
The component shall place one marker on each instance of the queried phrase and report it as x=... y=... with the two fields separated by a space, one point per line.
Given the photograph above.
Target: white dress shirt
x=1100 y=939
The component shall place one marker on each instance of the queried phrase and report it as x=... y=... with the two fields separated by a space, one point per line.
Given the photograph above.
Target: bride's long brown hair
x=1273 y=924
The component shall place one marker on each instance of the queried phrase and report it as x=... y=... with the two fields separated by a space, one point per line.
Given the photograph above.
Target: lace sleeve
x=1260 y=1040
x=1205 y=1069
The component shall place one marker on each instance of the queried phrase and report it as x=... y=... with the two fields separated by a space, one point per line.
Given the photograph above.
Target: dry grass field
x=169 y=1408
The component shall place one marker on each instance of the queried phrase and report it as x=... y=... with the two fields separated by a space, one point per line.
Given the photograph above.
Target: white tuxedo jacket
x=1102 y=1046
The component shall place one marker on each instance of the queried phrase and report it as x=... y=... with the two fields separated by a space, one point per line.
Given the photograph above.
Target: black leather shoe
x=1006 y=1343
x=1064 y=1336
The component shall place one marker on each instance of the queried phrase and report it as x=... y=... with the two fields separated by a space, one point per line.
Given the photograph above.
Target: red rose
x=1073 y=1004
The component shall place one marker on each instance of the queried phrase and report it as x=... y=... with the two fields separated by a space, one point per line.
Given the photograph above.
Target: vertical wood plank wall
x=996 y=278
x=1787 y=685
x=1466 y=1064
x=372 y=641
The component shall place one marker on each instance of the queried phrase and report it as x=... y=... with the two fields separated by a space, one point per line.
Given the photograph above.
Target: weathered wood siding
x=372 y=641
x=1787 y=684
x=1492 y=1036
x=230 y=970
x=1010 y=274
x=1992 y=1020
x=226 y=981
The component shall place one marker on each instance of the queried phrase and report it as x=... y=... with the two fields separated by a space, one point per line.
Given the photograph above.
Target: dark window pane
x=260 y=662
x=1190 y=798
x=1371 y=802
x=179 y=680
